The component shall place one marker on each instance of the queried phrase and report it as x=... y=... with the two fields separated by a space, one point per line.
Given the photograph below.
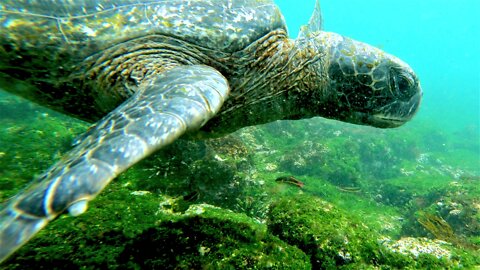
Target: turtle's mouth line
x=398 y=113
x=388 y=121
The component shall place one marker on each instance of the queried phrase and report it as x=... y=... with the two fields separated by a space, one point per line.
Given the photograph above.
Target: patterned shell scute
x=225 y=25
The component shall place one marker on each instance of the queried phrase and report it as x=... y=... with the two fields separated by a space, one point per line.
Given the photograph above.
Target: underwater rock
x=320 y=160
x=143 y=236
x=433 y=254
x=335 y=239
x=393 y=195
x=451 y=213
x=378 y=158
x=294 y=163
x=417 y=246
x=217 y=169
x=217 y=239
x=331 y=238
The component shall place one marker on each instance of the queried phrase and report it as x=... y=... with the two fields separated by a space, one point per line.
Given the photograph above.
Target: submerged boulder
x=336 y=239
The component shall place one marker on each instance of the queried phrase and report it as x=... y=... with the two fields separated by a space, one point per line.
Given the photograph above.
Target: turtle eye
x=404 y=81
x=401 y=84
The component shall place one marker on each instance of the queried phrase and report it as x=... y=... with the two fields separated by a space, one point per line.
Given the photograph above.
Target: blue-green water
x=439 y=39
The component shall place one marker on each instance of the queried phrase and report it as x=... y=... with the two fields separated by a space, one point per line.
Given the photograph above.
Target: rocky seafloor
x=370 y=199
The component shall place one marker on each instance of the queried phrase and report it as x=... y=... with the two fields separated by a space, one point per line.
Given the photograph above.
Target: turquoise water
x=439 y=39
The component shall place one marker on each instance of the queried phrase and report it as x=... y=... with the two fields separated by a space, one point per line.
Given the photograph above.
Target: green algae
x=126 y=231
x=215 y=240
x=322 y=231
x=32 y=137
x=335 y=239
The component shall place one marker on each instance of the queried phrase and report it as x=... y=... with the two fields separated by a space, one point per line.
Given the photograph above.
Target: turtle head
x=355 y=82
x=364 y=84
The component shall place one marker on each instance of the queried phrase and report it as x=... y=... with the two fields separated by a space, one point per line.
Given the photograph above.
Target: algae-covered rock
x=335 y=239
x=131 y=230
x=217 y=169
x=93 y=240
x=426 y=253
x=450 y=212
x=216 y=239
x=331 y=238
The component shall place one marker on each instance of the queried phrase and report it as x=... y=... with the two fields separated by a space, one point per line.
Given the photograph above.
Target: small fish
x=290 y=180
x=350 y=189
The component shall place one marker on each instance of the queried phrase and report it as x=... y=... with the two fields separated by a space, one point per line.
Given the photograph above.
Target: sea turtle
x=149 y=72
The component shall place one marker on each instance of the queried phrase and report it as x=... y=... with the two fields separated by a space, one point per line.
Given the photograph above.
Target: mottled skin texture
x=148 y=72
x=98 y=55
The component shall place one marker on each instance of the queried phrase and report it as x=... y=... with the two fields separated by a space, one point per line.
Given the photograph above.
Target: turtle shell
x=53 y=44
x=89 y=26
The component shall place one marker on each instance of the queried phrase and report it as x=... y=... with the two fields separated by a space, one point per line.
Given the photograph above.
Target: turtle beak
x=399 y=111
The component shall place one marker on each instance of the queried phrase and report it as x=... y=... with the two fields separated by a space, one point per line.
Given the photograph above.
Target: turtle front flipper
x=179 y=100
